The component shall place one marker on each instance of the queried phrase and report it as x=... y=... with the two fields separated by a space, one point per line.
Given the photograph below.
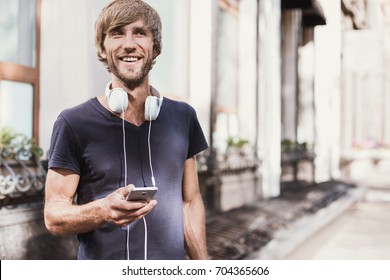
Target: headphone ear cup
x=117 y=100
x=152 y=108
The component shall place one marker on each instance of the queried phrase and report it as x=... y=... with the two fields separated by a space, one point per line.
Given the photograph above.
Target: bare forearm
x=64 y=218
x=195 y=229
x=61 y=217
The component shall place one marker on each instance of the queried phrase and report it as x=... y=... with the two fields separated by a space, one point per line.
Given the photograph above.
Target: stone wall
x=23 y=236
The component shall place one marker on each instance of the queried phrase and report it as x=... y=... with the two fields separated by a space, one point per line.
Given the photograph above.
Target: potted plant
x=20 y=166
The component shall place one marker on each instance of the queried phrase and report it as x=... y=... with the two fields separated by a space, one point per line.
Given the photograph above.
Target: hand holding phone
x=142 y=193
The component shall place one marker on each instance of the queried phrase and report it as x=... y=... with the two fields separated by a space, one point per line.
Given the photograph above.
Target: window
x=16 y=110
x=19 y=65
x=236 y=73
x=364 y=75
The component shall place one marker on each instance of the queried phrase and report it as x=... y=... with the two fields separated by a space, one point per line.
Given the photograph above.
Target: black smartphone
x=142 y=193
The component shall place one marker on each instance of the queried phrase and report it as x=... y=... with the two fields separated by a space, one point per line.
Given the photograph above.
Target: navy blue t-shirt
x=88 y=140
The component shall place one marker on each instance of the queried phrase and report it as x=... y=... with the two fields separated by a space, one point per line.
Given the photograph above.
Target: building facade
x=275 y=84
x=226 y=58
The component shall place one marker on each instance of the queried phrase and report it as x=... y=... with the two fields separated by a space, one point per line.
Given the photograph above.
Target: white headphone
x=118 y=102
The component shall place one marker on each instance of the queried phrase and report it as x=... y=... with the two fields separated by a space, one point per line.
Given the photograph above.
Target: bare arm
x=194 y=213
x=62 y=217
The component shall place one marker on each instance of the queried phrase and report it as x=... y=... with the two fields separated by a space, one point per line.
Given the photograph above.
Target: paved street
x=362 y=232
x=272 y=228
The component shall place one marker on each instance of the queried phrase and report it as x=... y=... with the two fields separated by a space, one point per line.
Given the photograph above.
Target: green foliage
x=291 y=146
x=15 y=145
x=236 y=142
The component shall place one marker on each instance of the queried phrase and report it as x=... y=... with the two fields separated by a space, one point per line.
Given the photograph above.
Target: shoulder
x=178 y=107
x=78 y=109
x=85 y=110
x=79 y=119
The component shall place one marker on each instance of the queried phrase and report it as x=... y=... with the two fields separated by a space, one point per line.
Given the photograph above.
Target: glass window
x=18 y=31
x=228 y=65
x=19 y=67
x=236 y=73
x=228 y=62
x=16 y=106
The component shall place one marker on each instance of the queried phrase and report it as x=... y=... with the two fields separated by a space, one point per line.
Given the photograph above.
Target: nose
x=129 y=41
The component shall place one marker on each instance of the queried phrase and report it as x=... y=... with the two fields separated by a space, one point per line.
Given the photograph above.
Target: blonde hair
x=120 y=13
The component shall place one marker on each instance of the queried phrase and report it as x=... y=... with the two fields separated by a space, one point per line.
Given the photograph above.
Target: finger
x=152 y=203
x=126 y=206
x=127 y=189
x=134 y=211
x=138 y=214
x=125 y=217
x=146 y=209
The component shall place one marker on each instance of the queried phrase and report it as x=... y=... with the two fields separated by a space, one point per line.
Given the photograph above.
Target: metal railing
x=21 y=181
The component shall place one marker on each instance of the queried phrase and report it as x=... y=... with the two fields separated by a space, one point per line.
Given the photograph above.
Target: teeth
x=129 y=59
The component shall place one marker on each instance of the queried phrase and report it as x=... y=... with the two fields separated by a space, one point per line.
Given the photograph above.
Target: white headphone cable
x=125 y=163
x=150 y=153
x=124 y=146
x=153 y=183
x=146 y=240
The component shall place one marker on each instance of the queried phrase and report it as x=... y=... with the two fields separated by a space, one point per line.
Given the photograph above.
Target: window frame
x=20 y=73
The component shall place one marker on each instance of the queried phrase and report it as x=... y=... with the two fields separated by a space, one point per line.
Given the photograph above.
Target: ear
x=155 y=53
x=102 y=49
x=103 y=53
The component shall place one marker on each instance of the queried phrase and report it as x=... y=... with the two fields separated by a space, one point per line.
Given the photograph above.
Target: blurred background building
x=287 y=91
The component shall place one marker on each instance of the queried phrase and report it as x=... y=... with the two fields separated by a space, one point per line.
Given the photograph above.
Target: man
x=96 y=149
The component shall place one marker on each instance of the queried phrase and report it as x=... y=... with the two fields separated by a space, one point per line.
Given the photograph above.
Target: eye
x=140 y=32
x=116 y=33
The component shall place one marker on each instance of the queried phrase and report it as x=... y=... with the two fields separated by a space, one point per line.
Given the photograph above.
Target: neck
x=136 y=108
x=136 y=94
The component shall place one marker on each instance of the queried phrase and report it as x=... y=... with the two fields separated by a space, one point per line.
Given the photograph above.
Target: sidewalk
x=275 y=227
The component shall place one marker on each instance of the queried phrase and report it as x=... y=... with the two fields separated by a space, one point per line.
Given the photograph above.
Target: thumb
x=126 y=190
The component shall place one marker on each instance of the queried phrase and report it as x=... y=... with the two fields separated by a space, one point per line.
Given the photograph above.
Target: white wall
x=270 y=96
x=170 y=73
x=327 y=92
x=247 y=70
x=291 y=23
x=70 y=72
x=183 y=69
x=200 y=60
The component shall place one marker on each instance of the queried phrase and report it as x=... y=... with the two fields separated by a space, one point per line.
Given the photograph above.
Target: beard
x=136 y=79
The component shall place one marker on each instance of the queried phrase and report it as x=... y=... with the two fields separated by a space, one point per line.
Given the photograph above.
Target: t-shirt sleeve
x=198 y=142
x=63 y=151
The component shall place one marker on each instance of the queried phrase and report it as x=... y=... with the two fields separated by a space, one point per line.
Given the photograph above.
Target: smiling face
x=120 y=33
x=129 y=53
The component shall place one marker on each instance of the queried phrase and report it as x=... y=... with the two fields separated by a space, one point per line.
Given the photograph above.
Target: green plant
x=287 y=145
x=292 y=146
x=15 y=145
x=236 y=142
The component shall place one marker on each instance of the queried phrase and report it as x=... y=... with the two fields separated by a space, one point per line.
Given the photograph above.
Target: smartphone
x=142 y=193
